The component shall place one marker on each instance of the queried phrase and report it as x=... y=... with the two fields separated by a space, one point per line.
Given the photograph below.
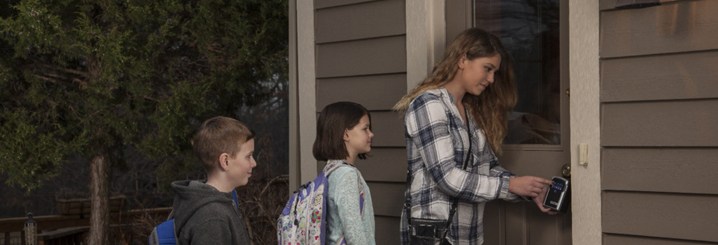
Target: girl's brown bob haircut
x=333 y=121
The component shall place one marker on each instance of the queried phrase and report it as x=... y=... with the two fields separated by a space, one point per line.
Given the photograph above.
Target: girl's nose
x=490 y=78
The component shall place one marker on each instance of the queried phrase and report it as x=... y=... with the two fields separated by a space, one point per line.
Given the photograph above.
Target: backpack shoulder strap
x=234 y=197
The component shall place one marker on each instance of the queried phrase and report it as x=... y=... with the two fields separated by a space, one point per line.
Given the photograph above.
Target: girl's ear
x=462 y=62
x=346 y=135
x=224 y=161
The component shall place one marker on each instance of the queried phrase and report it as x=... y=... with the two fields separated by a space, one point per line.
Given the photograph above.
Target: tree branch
x=81 y=73
x=45 y=78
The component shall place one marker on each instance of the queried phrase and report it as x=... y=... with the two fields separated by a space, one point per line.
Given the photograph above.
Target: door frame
x=426 y=41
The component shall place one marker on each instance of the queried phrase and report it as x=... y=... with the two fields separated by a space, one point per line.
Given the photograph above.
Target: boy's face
x=240 y=166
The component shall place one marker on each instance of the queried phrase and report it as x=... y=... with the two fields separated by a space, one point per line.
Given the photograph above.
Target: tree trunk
x=99 y=195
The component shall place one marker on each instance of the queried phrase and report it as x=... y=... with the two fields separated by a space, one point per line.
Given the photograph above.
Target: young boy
x=204 y=210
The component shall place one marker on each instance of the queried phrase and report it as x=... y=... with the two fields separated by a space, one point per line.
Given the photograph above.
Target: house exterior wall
x=646 y=104
x=361 y=57
x=659 y=123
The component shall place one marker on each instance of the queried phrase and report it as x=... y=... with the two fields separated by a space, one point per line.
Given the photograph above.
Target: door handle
x=566 y=171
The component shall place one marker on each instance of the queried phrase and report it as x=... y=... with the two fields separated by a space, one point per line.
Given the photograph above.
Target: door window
x=530 y=31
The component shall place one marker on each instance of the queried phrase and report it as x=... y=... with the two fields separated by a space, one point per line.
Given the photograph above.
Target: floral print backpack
x=303 y=220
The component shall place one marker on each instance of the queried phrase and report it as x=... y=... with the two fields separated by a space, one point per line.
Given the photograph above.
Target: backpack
x=164 y=233
x=303 y=220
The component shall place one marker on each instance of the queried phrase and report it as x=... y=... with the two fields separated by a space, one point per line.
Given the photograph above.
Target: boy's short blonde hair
x=219 y=135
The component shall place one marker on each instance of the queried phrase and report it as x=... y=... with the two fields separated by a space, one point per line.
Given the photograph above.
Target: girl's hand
x=530 y=186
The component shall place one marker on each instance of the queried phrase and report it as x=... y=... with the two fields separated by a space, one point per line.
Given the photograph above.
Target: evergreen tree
x=92 y=77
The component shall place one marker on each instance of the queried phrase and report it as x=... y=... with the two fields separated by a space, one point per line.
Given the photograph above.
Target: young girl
x=455 y=120
x=343 y=135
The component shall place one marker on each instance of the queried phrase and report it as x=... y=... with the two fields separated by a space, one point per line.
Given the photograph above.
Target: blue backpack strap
x=234 y=196
x=164 y=234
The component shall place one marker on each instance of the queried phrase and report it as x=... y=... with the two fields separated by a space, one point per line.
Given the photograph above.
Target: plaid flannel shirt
x=437 y=142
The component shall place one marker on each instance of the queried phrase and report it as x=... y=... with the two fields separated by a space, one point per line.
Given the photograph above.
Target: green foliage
x=87 y=77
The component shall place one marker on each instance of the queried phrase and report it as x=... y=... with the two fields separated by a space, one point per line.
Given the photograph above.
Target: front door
x=535 y=33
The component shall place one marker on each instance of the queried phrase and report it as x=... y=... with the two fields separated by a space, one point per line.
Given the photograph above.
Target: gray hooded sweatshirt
x=204 y=215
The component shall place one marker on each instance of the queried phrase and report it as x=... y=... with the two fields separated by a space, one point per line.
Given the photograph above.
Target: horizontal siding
x=320 y=4
x=387 y=230
x=660 y=170
x=672 y=28
x=388 y=128
x=637 y=240
x=379 y=92
x=662 y=77
x=611 y=4
x=361 y=57
x=659 y=123
x=387 y=198
x=364 y=57
x=666 y=124
x=675 y=216
x=368 y=20
x=384 y=164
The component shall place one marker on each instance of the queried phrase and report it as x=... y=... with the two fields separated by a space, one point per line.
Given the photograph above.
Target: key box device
x=557 y=195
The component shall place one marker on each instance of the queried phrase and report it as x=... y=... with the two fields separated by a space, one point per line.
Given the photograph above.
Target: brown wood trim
x=364 y=57
x=378 y=92
x=613 y=239
x=665 y=124
x=661 y=215
x=320 y=4
x=673 y=28
x=370 y=20
x=660 y=170
x=611 y=4
x=663 y=77
x=459 y=17
x=52 y=222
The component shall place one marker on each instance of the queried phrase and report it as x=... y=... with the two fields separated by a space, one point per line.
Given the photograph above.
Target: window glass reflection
x=529 y=29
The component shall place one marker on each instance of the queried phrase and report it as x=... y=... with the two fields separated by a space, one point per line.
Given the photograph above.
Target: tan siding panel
x=610 y=239
x=671 y=28
x=664 y=77
x=388 y=128
x=387 y=198
x=320 y=4
x=373 y=92
x=611 y=4
x=365 y=57
x=674 y=123
x=387 y=230
x=384 y=164
x=374 y=19
x=660 y=170
x=675 y=216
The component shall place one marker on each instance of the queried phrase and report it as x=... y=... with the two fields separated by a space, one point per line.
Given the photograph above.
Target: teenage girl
x=343 y=135
x=460 y=111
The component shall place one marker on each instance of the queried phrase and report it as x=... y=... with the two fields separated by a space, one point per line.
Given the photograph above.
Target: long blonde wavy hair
x=490 y=109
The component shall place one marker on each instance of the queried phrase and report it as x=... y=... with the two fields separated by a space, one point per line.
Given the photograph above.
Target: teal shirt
x=344 y=216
